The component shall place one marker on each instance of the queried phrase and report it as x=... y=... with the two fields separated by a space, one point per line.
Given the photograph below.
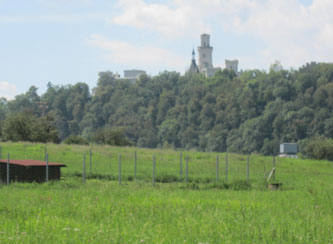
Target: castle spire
x=193 y=68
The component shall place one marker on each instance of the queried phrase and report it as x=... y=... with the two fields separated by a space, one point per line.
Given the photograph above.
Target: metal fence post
x=135 y=159
x=274 y=168
x=154 y=170
x=8 y=180
x=45 y=151
x=90 y=155
x=119 y=172
x=0 y=152
x=226 y=167
x=187 y=169
x=248 y=168
x=181 y=166
x=84 y=168
x=217 y=168
x=47 y=167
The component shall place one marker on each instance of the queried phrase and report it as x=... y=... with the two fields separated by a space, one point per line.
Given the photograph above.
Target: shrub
x=73 y=139
x=113 y=136
x=318 y=148
x=27 y=127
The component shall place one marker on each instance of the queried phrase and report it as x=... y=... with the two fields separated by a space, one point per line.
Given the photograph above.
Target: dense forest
x=253 y=111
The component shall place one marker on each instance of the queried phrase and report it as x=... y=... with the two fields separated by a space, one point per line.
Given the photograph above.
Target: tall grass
x=201 y=211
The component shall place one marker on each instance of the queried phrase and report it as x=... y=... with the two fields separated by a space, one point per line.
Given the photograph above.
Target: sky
x=70 y=41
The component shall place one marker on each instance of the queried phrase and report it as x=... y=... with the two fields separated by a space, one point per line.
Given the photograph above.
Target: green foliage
x=17 y=128
x=318 y=148
x=26 y=127
x=254 y=111
x=112 y=136
x=73 y=139
x=201 y=211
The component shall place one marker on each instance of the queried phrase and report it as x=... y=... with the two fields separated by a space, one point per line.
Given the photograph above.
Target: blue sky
x=69 y=41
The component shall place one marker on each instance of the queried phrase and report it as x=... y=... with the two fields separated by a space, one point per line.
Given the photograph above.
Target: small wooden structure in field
x=29 y=170
x=273 y=186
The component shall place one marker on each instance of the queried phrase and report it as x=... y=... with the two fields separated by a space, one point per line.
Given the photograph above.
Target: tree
x=27 y=127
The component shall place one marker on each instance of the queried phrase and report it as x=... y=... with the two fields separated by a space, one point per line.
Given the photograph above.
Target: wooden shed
x=29 y=170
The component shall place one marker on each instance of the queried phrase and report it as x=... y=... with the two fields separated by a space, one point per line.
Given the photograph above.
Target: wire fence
x=127 y=164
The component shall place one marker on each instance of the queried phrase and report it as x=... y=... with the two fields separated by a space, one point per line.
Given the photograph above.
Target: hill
x=251 y=112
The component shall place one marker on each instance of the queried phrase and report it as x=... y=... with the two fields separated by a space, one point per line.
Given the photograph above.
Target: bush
x=318 y=148
x=27 y=127
x=113 y=136
x=73 y=139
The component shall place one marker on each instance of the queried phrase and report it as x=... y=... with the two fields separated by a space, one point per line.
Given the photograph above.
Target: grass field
x=202 y=211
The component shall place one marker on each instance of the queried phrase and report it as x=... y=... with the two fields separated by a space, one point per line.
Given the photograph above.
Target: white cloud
x=290 y=31
x=173 y=20
x=7 y=90
x=137 y=56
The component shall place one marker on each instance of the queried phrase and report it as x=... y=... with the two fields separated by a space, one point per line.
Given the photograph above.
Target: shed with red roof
x=29 y=170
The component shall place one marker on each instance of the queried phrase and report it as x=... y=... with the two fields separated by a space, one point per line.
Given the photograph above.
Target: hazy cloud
x=172 y=20
x=137 y=56
x=291 y=32
x=7 y=90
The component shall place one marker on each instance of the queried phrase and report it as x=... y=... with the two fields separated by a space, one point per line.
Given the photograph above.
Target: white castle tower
x=205 y=53
x=205 y=64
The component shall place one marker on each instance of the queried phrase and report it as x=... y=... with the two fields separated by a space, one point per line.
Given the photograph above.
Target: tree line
x=253 y=111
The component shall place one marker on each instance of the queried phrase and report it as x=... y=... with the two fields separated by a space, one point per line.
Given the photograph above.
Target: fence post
x=135 y=158
x=45 y=151
x=217 y=168
x=248 y=168
x=47 y=167
x=8 y=180
x=181 y=166
x=90 y=155
x=186 y=169
x=0 y=152
x=226 y=167
x=84 y=168
x=119 y=168
x=274 y=168
x=154 y=170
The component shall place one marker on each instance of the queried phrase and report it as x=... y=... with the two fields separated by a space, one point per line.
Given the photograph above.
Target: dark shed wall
x=28 y=173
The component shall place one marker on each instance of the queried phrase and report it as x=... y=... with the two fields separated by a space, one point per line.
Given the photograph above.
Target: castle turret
x=205 y=53
x=232 y=65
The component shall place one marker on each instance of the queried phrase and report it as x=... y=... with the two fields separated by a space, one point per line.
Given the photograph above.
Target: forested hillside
x=251 y=112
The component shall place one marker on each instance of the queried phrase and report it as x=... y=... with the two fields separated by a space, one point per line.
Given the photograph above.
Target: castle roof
x=194 y=67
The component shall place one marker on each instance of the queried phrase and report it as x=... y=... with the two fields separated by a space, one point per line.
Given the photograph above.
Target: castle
x=206 y=59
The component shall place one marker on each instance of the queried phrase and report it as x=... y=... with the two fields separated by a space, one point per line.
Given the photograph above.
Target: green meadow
x=209 y=208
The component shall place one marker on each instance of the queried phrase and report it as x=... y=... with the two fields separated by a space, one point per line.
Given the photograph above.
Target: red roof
x=29 y=162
